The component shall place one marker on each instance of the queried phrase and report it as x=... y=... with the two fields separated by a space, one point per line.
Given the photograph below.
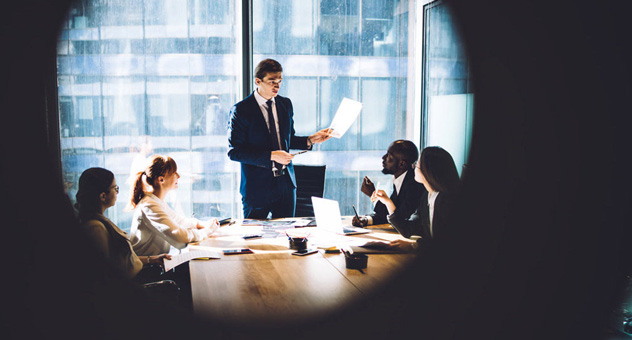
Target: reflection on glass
x=448 y=94
x=143 y=77
x=159 y=76
x=331 y=49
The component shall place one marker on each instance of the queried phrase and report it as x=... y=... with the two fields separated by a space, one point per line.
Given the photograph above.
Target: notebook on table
x=327 y=214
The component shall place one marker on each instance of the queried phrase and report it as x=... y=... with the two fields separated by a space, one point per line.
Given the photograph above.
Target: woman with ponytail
x=155 y=226
x=97 y=192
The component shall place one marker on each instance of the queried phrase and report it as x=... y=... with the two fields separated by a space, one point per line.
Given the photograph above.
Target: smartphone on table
x=225 y=221
x=305 y=252
x=237 y=251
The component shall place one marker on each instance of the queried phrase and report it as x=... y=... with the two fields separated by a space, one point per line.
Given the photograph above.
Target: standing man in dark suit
x=398 y=161
x=260 y=135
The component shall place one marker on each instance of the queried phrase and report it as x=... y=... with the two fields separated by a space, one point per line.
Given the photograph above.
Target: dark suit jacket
x=419 y=222
x=250 y=143
x=407 y=199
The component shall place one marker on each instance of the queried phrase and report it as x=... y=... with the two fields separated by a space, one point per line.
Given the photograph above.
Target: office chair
x=310 y=181
x=156 y=287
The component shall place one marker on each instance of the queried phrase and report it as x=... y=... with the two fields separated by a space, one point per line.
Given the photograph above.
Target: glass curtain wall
x=156 y=76
x=159 y=76
x=332 y=49
x=448 y=94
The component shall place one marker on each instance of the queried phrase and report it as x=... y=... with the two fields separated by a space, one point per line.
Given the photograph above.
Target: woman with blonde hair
x=155 y=226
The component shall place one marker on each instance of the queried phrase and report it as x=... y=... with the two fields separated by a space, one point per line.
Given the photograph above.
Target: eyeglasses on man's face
x=276 y=82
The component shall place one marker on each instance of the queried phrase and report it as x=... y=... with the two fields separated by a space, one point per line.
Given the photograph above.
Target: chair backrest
x=310 y=181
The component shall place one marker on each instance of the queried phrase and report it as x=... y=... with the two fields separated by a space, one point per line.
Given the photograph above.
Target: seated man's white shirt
x=397 y=182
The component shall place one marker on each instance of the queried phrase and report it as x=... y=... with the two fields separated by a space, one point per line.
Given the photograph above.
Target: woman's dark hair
x=157 y=165
x=439 y=169
x=267 y=66
x=92 y=183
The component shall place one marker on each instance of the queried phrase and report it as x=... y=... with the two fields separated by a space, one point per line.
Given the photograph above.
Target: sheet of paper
x=345 y=116
x=190 y=255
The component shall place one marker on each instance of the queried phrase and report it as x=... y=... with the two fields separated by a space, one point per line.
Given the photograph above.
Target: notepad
x=179 y=259
x=375 y=247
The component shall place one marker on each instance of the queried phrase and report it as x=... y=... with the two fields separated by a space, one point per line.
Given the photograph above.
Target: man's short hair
x=267 y=66
x=405 y=150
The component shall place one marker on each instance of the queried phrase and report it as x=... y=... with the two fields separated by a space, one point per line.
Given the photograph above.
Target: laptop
x=327 y=213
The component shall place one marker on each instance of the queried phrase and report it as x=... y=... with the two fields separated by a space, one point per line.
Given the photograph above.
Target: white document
x=190 y=255
x=345 y=116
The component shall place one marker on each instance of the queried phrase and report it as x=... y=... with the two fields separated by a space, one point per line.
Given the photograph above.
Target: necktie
x=273 y=132
x=394 y=194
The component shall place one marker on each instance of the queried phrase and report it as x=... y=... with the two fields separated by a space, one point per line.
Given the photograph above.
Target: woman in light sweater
x=155 y=226
x=436 y=170
x=97 y=192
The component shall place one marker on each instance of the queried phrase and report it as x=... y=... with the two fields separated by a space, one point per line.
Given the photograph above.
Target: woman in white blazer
x=155 y=226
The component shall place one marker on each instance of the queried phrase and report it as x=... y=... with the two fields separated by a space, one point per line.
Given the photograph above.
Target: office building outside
x=159 y=76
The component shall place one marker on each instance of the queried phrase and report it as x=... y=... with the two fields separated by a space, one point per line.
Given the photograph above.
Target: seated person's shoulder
x=146 y=203
x=96 y=230
x=94 y=226
x=419 y=189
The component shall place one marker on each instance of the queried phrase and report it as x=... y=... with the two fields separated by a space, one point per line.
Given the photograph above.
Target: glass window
x=156 y=76
x=448 y=94
x=159 y=76
x=335 y=49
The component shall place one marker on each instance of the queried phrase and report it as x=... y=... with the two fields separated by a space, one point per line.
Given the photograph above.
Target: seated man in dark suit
x=398 y=162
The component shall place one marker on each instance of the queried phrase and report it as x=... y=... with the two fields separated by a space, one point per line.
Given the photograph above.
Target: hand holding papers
x=345 y=116
x=320 y=136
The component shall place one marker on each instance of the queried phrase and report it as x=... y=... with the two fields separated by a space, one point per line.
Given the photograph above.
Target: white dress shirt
x=263 y=105
x=156 y=227
x=397 y=182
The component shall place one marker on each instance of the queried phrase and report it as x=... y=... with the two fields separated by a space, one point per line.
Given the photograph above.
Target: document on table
x=190 y=255
x=345 y=116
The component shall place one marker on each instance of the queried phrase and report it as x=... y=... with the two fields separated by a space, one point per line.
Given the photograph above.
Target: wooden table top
x=273 y=286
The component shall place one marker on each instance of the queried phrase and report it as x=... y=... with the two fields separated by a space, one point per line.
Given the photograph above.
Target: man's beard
x=387 y=171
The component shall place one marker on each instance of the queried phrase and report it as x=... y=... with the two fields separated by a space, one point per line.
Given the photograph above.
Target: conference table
x=273 y=286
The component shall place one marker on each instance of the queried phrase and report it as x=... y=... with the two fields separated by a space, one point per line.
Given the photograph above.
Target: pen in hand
x=300 y=152
x=355 y=211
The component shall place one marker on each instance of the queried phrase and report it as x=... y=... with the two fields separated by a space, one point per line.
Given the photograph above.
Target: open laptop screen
x=327 y=213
